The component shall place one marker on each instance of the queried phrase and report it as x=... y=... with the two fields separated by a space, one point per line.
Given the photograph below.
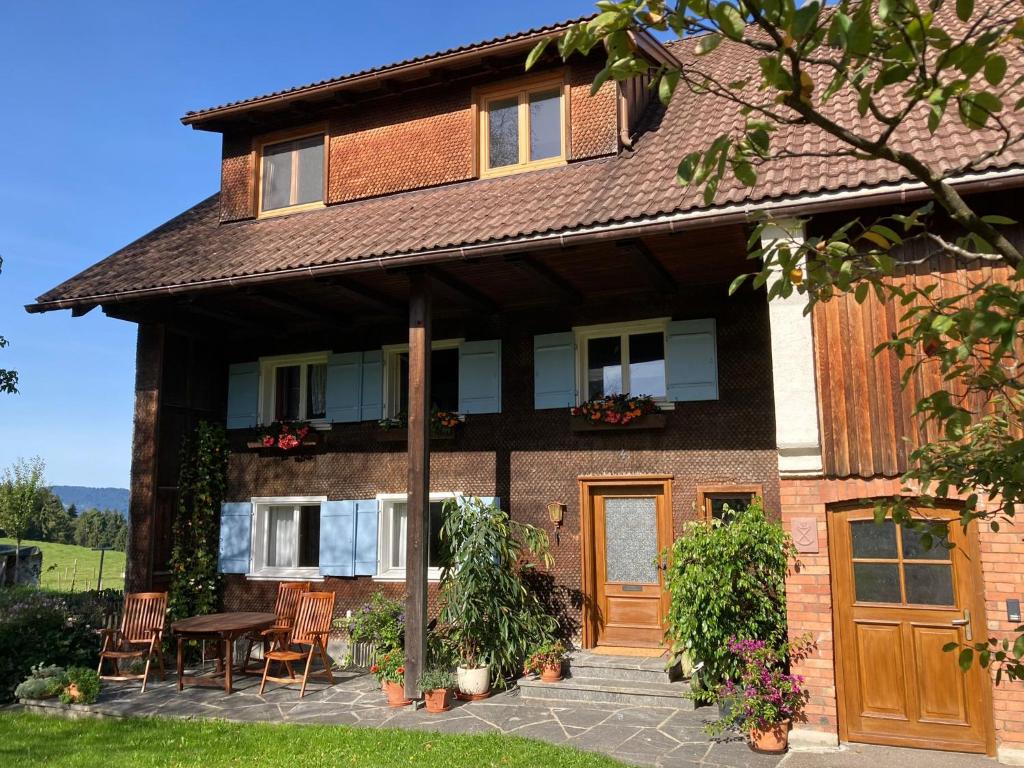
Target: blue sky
x=94 y=157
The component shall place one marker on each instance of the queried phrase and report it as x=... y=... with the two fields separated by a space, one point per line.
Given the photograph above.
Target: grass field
x=76 y=568
x=34 y=741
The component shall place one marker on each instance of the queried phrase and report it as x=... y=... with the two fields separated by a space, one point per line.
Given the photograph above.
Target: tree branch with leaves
x=873 y=78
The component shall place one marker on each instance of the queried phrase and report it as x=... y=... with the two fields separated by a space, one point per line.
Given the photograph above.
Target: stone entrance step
x=623 y=680
x=631 y=668
x=603 y=691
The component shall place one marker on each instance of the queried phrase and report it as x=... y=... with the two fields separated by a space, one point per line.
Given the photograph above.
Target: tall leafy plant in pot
x=495 y=619
x=195 y=583
x=727 y=579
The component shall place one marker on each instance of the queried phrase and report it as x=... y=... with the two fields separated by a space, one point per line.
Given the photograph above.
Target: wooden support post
x=418 y=509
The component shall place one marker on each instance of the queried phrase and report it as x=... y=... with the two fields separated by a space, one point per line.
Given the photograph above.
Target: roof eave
x=200 y=119
x=734 y=213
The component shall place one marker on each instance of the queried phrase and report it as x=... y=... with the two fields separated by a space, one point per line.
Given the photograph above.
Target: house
x=516 y=246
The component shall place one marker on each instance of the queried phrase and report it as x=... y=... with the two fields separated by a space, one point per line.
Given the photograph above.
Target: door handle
x=965 y=622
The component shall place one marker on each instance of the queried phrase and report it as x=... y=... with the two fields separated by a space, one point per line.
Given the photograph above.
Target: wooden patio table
x=225 y=628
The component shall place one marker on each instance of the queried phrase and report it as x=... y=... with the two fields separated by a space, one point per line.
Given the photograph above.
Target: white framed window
x=444 y=377
x=391 y=535
x=286 y=537
x=294 y=388
x=291 y=171
x=621 y=358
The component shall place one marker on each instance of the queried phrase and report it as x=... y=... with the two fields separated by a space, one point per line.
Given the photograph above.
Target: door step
x=603 y=691
x=600 y=679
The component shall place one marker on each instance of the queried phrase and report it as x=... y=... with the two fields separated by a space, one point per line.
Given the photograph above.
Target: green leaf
x=537 y=52
x=737 y=282
x=707 y=43
x=965 y=659
x=964 y=9
x=999 y=221
x=729 y=20
x=950 y=647
x=667 y=86
x=861 y=293
x=688 y=167
x=745 y=173
x=995 y=69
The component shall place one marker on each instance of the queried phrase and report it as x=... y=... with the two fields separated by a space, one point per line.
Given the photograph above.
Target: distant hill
x=84 y=497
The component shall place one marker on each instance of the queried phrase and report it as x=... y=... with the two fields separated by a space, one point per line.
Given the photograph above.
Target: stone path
x=640 y=736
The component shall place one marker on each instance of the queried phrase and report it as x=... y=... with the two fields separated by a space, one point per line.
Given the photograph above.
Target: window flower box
x=443 y=425
x=651 y=421
x=617 y=412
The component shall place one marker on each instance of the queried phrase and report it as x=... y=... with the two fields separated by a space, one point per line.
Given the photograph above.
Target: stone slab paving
x=639 y=736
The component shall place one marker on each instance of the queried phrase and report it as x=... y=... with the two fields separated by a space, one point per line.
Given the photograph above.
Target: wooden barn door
x=897 y=605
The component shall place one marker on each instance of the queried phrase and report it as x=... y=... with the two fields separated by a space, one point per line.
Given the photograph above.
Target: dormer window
x=292 y=173
x=522 y=127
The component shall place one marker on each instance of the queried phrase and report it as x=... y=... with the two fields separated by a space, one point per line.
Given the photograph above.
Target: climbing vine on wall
x=195 y=583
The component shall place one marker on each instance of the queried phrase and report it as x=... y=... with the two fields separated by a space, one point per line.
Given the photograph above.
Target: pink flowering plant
x=766 y=693
x=286 y=435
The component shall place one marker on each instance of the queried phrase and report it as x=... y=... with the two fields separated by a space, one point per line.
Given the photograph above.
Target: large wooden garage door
x=897 y=605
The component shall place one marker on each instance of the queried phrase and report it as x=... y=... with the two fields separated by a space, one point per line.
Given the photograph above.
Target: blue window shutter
x=480 y=377
x=372 y=400
x=366 y=537
x=235 y=537
x=243 y=395
x=691 y=360
x=344 y=386
x=337 y=532
x=554 y=368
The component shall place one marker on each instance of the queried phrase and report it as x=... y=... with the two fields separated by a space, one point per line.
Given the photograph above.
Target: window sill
x=285 y=574
x=291 y=209
x=401 y=435
x=398 y=577
x=650 y=421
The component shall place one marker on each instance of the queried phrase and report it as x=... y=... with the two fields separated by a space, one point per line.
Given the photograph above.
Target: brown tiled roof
x=193 y=115
x=636 y=186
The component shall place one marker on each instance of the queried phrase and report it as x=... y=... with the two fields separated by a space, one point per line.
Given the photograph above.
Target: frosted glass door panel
x=631 y=540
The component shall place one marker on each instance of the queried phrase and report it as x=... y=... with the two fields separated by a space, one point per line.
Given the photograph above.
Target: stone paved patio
x=640 y=736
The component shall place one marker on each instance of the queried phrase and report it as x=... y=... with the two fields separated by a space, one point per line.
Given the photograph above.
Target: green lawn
x=67 y=575
x=30 y=741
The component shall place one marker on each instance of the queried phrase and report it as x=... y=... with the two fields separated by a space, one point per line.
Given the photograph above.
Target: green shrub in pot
x=726 y=579
x=493 y=618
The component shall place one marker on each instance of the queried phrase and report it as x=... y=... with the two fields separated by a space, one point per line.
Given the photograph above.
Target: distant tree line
x=91 y=528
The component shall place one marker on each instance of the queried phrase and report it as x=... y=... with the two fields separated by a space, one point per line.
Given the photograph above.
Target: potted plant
x=437 y=684
x=376 y=628
x=617 y=410
x=389 y=669
x=82 y=686
x=765 y=698
x=494 y=617
x=726 y=578
x=547 y=660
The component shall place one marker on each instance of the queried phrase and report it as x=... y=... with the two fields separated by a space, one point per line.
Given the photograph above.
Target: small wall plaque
x=805 y=534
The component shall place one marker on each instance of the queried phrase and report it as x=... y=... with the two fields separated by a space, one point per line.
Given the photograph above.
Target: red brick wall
x=809 y=596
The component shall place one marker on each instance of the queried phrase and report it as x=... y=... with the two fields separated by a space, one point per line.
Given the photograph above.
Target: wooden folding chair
x=311 y=628
x=288 y=594
x=140 y=636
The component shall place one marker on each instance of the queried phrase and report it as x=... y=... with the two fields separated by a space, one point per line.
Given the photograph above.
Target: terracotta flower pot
x=551 y=673
x=438 y=700
x=396 y=694
x=774 y=740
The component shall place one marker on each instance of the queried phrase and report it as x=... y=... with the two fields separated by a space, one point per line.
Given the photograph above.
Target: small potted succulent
x=766 y=698
x=437 y=684
x=389 y=669
x=547 y=660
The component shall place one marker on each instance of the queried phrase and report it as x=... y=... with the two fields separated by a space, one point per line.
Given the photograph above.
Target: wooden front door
x=627 y=525
x=897 y=604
